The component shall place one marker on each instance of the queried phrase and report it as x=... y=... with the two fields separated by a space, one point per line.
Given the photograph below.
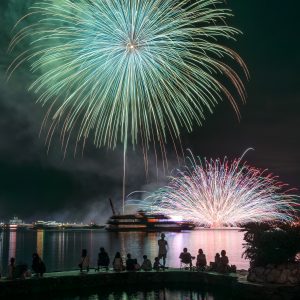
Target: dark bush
x=271 y=243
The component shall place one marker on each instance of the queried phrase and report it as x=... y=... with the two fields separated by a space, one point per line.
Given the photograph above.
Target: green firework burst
x=128 y=68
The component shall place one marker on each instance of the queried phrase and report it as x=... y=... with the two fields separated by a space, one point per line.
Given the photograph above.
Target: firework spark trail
x=220 y=192
x=128 y=70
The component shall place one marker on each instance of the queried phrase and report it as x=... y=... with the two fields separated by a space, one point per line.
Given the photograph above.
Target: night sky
x=36 y=184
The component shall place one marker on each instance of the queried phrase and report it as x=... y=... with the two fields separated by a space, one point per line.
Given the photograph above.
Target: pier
x=74 y=282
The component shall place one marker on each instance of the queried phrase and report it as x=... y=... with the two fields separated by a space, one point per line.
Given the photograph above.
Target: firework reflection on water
x=61 y=249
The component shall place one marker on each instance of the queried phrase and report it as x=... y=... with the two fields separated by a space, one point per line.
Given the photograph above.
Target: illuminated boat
x=54 y=225
x=46 y=225
x=15 y=224
x=142 y=221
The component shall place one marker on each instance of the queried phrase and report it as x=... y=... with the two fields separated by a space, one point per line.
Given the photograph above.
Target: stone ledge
x=279 y=274
x=63 y=282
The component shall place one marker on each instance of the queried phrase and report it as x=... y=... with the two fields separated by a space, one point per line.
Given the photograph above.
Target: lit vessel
x=15 y=224
x=62 y=226
x=142 y=221
x=47 y=225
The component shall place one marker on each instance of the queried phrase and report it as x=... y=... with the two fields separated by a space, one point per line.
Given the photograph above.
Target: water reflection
x=1 y=250
x=40 y=242
x=159 y=294
x=61 y=249
x=12 y=244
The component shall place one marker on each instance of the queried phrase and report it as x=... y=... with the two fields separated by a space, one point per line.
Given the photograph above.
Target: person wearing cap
x=162 y=249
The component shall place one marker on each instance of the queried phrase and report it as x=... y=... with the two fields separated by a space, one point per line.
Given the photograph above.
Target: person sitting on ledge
x=186 y=257
x=224 y=263
x=85 y=261
x=103 y=259
x=201 y=261
x=38 y=265
x=118 y=263
x=215 y=265
x=146 y=265
x=131 y=263
x=157 y=265
x=12 y=268
x=217 y=259
x=22 y=271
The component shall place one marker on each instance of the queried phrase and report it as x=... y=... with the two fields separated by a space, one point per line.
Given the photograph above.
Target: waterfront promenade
x=72 y=281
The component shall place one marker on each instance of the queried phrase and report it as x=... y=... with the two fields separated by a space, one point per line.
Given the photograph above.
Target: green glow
x=128 y=70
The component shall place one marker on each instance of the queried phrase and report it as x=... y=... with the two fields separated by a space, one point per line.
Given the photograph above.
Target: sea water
x=61 y=250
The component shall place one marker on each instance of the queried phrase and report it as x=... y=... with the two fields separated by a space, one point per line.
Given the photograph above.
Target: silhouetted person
x=146 y=265
x=224 y=263
x=103 y=259
x=118 y=262
x=162 y=249
x=214 y=266
x=85 y=261
x=201 y=260
x=12 y=268
x=22 y=270
x=38 y=265
x=186 y=257
x=156 y=265
x=130 y=263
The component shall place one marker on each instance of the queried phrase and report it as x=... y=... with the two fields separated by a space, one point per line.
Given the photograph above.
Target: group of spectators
x=221 y=263
x=130 y=264
x=22 y=271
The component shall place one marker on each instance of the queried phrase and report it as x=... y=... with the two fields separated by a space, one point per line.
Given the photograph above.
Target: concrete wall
x=73 y=283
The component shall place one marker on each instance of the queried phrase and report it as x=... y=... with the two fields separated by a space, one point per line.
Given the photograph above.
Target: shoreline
x=72 y=281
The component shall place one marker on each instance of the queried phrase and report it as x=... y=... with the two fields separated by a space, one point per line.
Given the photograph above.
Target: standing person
x=162 y=249
x=38 y=265
x=85 y=261
x=103 y=259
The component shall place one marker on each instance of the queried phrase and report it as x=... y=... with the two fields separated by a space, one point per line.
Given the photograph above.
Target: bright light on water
x=176 y=218
x=61 y=249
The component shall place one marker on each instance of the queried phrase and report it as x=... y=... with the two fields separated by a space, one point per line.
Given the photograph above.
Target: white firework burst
x=220 y=193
